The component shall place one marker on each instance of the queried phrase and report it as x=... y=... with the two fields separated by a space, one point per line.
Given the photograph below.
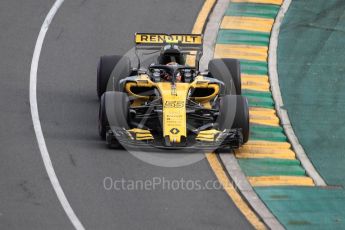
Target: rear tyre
x=228 y=71
x=117 y=110
x=234 y=113
x=114 y=66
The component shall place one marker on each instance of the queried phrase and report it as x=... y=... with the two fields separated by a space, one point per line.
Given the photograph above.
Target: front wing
x=227 y=139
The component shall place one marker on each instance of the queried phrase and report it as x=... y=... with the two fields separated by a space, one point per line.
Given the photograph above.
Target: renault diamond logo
x=174 y=131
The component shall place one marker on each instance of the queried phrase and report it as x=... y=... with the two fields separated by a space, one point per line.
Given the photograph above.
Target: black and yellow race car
x=169 y=104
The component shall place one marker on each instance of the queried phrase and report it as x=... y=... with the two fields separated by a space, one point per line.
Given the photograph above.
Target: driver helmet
x=167 y=77
x=171 y=53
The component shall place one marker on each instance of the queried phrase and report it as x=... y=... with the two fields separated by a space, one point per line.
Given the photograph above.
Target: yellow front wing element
x=140 y=134
x=207 y=135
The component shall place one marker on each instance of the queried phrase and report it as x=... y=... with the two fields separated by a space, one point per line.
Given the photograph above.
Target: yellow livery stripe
x=144 y=138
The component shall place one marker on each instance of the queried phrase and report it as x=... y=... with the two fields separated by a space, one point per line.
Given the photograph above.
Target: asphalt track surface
x=80 y=33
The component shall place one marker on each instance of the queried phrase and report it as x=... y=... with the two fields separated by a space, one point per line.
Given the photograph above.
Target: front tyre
x=103 y=124
x=117 y=114
x=234 y=114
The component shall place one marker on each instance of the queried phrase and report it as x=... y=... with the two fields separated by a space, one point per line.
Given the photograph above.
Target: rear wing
x=190 y=44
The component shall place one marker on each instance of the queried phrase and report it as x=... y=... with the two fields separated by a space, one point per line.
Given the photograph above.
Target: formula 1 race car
x=169 y=104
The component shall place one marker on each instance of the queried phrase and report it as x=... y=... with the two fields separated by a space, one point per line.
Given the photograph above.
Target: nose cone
x=174 y=143
x=174 y=111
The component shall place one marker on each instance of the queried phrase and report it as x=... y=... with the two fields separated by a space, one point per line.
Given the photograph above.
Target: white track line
x=36 y=120
x=282 y=113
